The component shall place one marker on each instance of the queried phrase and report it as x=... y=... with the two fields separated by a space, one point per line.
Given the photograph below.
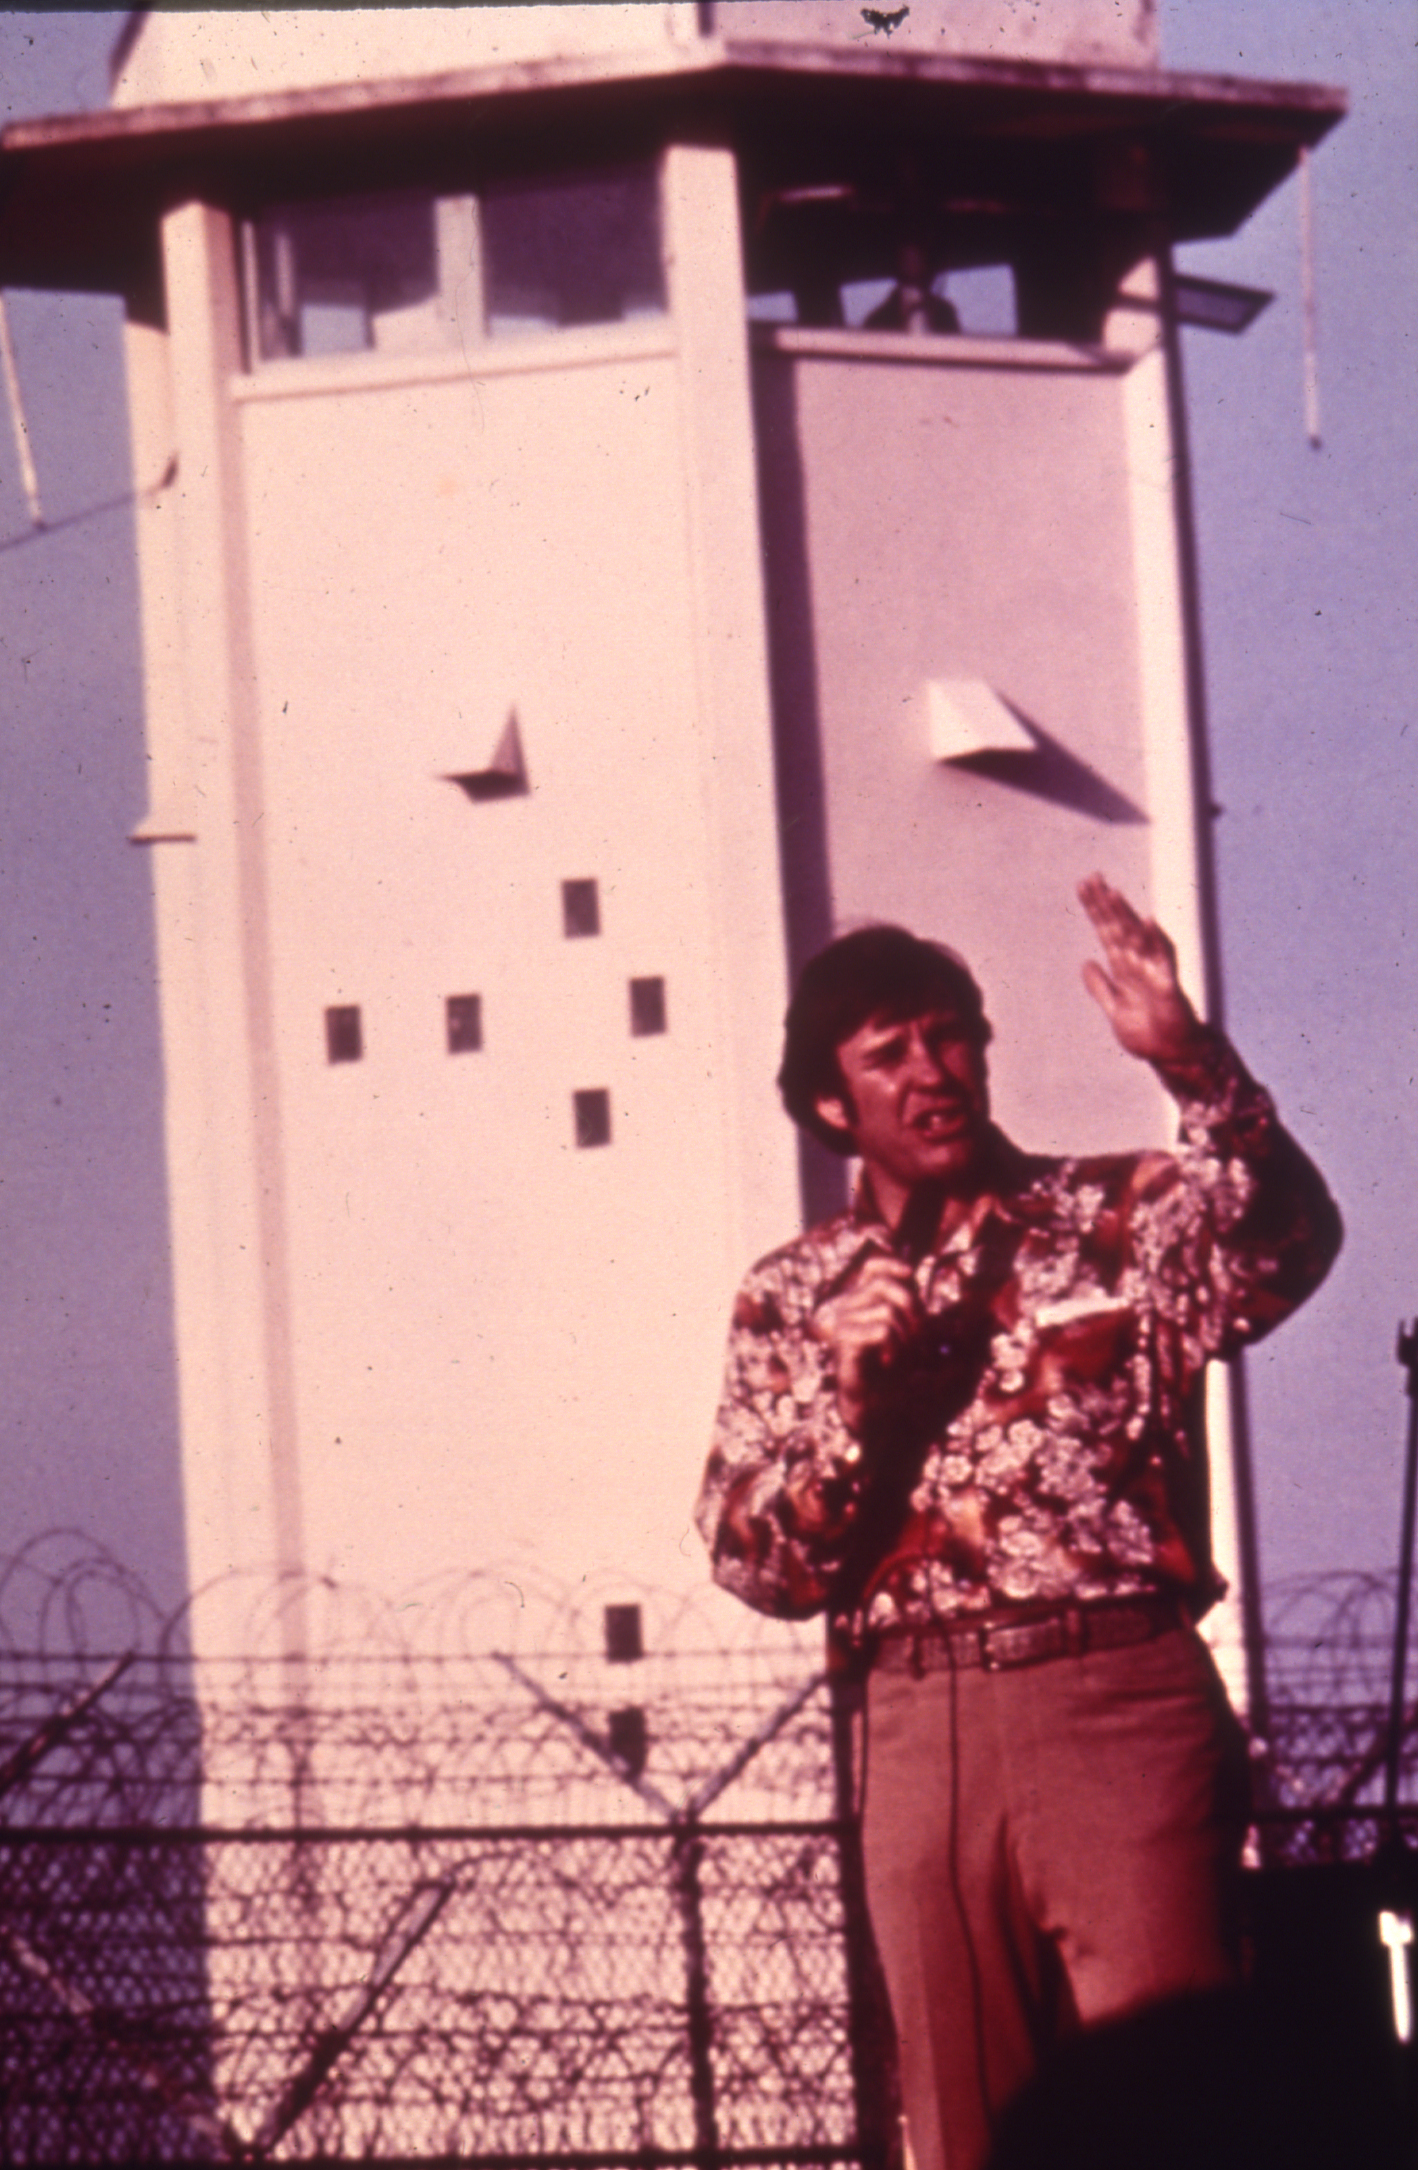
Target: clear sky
x=1308 y=560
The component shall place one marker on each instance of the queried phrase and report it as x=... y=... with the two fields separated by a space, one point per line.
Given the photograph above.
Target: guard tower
x=623 y=492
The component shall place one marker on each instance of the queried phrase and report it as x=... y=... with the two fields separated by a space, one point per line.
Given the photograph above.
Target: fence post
x=875 y=2092
x=1408 y=1358
x=687 y=1852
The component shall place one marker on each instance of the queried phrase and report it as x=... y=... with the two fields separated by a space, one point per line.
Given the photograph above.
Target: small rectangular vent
x=647 y=1007
x=593 y=1117
x=465 y=1024
x=628 y=1735
x=580 y=909
x=624 y=1633
x=344 y=1034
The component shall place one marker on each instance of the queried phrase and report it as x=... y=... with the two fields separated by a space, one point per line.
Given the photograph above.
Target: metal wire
x=1330 y=1654
x=417 y=1907
x=414 y=1901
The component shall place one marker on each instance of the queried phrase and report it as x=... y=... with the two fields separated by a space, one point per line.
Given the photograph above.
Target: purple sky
x=1308 y=562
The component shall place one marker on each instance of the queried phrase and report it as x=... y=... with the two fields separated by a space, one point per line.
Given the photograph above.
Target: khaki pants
x=1045 y=1847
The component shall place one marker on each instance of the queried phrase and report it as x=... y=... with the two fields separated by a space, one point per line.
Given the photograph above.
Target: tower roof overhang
x=1190 y=156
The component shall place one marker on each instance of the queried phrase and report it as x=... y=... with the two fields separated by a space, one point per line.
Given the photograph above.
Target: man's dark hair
x=875 y=972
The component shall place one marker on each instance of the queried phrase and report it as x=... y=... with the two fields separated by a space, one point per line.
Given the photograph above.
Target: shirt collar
x=1009 y=1173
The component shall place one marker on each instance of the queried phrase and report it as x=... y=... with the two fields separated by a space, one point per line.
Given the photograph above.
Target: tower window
x=344 y=1034
x=410 y=272
x=647 y=1007
x=580 y=909
x=593 y=1117
x=353 y=272
x=924 y=256
x=572 y=248
x=465 y=1024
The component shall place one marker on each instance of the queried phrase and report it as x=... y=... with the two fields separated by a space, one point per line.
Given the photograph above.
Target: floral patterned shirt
x=1039 y=1440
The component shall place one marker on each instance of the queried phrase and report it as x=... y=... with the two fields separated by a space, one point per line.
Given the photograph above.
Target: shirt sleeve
x=782 y=1487
x=1263 y=1230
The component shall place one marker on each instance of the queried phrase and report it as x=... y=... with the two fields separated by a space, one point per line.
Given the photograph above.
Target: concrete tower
x=624 y=492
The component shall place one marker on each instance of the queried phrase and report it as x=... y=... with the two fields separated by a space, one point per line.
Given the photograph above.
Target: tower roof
x=1193 y=155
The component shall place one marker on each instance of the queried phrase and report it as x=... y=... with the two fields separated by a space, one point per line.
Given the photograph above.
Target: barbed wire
x=470 y=1884
x=1330 y=1658
x=416 y=1897
x=1329 y=1637
x=64 y=1596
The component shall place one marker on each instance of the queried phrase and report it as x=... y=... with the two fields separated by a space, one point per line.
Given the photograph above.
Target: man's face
x=916 y=1101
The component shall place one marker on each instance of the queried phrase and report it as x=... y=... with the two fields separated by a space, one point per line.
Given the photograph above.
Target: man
x=961 y=1419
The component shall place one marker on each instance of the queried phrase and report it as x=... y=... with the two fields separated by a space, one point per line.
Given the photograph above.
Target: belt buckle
x=1057 y=1634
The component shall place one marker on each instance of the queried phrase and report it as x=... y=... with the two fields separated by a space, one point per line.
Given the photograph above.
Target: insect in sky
x=880 y=20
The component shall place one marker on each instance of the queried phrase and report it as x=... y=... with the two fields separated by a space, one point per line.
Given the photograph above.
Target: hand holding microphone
x=867 y=1327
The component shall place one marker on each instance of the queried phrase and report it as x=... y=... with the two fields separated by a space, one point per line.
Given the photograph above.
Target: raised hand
x=1136 y=986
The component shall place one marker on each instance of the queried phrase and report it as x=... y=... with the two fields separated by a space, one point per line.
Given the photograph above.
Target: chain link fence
x=501 y=1879
x=1329 y=1657
x=539 y=1904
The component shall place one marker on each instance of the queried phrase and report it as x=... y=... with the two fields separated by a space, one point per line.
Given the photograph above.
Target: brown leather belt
x=998 y=1642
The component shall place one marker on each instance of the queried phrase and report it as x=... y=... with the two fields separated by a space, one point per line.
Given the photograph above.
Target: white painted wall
x=240 y=53
x=1115 y=33
x=419 y=1328
x=528 y=1332
x=214 y=53
x=972 y=520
